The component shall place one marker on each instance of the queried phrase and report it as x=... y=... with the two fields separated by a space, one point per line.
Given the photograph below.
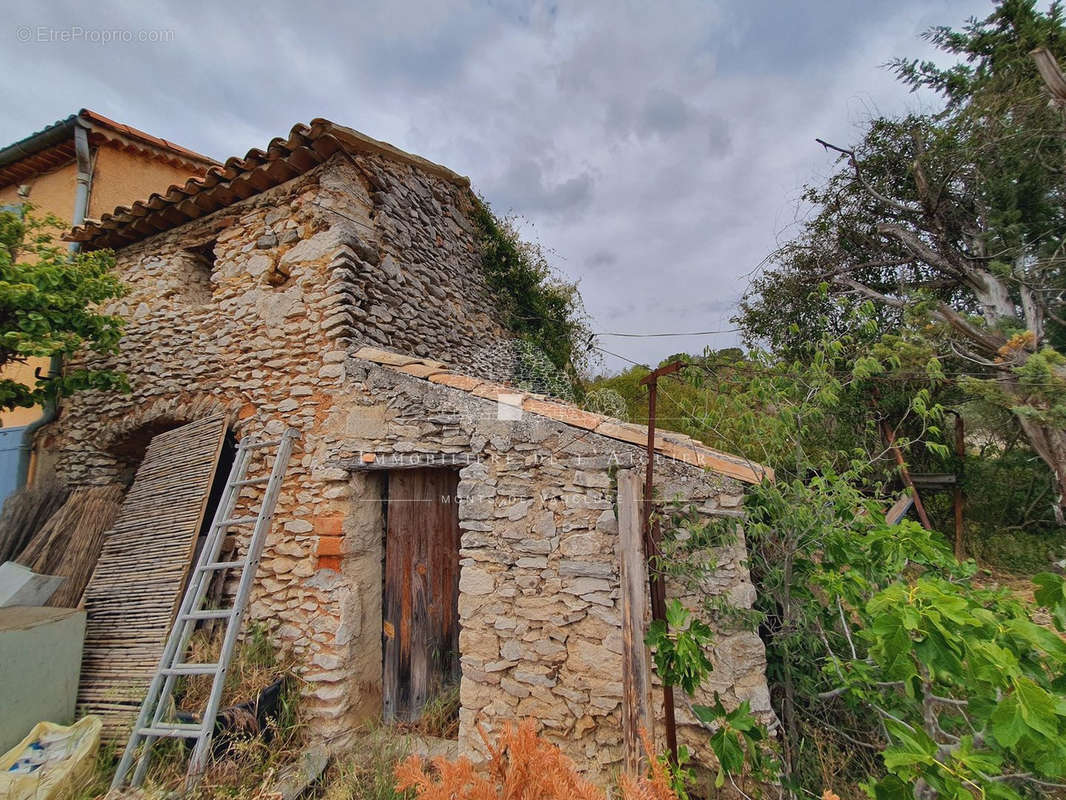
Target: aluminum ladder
x=153 y=721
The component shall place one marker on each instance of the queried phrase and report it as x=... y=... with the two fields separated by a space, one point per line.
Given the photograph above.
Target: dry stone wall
x=249 y=312
x=410 y=266
x=539 y=586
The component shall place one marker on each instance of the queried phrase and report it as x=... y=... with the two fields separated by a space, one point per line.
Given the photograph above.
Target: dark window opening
x=200 y=266
x=131 y=449
x=204 y=255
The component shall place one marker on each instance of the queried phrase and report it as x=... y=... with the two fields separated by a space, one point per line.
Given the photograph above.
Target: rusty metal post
x=651 y=547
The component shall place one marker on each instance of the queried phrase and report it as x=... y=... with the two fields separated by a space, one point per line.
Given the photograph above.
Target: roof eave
x=54 y=134
x=672 y=445
x=306 y=147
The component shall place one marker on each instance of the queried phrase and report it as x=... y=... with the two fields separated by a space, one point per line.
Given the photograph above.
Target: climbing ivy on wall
x=539 y=307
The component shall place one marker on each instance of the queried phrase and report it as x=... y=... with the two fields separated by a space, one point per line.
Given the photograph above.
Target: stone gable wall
x=300 y=272
x=410 y=263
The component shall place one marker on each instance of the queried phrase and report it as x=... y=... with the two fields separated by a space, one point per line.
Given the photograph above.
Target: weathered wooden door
x=421 y=625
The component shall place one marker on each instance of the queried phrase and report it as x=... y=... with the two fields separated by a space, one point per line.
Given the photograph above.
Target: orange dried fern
x=656 y=785
x=522 y=766
x=451 y=780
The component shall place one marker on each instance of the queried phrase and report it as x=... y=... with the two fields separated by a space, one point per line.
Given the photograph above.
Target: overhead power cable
x=618 y=355
x=659 y=335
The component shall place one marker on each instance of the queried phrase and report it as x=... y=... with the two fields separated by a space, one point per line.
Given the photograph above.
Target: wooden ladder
x=154 y=719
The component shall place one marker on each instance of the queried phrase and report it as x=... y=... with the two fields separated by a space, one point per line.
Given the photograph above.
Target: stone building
x=435 y=525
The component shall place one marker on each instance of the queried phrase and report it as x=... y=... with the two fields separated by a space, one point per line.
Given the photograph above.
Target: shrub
x=522 y=765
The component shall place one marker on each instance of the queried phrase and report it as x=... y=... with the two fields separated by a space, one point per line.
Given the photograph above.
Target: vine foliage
x=538 y=305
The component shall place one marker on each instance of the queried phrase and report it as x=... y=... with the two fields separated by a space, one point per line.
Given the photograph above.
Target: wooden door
x=421 y=615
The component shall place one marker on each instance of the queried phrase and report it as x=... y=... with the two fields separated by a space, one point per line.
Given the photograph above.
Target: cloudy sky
x=657 y=149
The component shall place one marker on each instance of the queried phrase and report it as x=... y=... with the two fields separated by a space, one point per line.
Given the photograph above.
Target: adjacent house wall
x=51 y=193
x=120 y=177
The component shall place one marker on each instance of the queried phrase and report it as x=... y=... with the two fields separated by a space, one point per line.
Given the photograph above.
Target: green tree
x=48 y=302
x=882 y=655
x=880 y=648
x=953 y=225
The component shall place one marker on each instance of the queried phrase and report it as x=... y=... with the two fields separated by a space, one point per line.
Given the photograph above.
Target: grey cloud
x=665 y=112
x=719 y=136
x=601 y=259
x=657 y=149
x=524 y=189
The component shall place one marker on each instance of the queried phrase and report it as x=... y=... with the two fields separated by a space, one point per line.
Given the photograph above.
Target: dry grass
x=25 y=512
x=439 y=718
x=244 y=767
x=1022 y=587
x=70 y=541
x=254 y=667
x=369 y=773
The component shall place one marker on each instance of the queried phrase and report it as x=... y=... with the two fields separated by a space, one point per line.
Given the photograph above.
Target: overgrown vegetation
x=48 y=300
x=440 y=716
x=251 y=751
x=886 y=661
x=925 y=284
x=952 y=226
x=893 y=673
x=369 y=772
x=540 y=308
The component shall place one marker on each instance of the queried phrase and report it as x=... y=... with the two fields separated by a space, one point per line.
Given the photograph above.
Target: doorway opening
x=227 y=454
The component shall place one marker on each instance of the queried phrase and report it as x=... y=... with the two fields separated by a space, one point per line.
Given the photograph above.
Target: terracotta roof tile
x=491 y=391
x=384 y=357
x=668 y=443
x=306 y=147
x=564 y=412
x=420 y=370
x=147 y=138
x=53 y=146
x=623 y=432
x=462 y=382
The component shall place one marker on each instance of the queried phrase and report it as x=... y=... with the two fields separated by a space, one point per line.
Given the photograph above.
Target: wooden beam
x=899 y=509
x=636 y=669
x=391 y=461
x=933 y=480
